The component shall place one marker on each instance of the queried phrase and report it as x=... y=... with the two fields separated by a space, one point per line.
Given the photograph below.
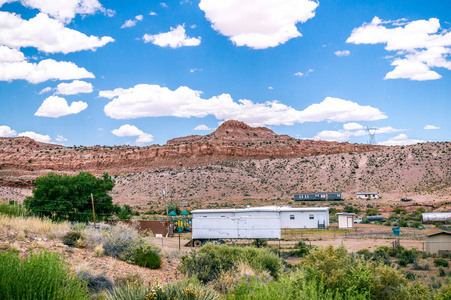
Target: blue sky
x=88 y=72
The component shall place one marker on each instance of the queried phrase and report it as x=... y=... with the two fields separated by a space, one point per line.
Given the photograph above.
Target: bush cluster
x=211 y=260
x=125 y=243
x=11 y=209
x=186 y=289
x=39 y=276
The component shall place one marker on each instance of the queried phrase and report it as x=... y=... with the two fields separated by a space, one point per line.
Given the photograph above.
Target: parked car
x=358 y=220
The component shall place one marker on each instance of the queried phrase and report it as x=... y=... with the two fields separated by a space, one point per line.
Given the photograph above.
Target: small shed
x=438 y=241
x=368 y=195
x=346 y=220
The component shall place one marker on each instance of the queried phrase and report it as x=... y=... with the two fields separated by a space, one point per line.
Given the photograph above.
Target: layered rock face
x=22 y=158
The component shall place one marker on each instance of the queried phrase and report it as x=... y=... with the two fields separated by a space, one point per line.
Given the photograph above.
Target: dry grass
x=34 y=225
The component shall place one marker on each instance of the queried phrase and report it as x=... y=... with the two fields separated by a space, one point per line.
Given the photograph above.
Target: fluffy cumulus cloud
x=55 y=107
x=431 y=127
x=202 y=127
x=36 y=136
x=63 y=10
x=10 y=55
x=131 y=23
x=400 y=140
x=6 y=131
x=258 y=24
x=418 y=46
x=73 y=88
x=351 y=130
x=175 y=38
x=342 y=53
x=45 y=34
x=131 y=130
x=145 y=100
x=47 y=69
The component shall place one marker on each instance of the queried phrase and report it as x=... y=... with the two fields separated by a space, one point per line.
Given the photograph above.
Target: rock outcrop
x=22 y=158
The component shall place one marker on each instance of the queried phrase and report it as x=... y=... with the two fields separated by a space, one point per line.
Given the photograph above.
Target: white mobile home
x=255 y=222
x=368 y=195
x=248 y=223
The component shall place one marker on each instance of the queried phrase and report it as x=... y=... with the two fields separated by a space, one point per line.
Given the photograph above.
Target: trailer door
x=242 y=228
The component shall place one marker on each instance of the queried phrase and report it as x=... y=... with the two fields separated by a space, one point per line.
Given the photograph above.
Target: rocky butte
x=23 y=159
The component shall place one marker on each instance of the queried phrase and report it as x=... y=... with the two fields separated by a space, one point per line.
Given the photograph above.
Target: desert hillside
x=421 y=171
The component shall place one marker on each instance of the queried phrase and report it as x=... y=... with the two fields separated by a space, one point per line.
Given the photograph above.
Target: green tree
x=64 y=197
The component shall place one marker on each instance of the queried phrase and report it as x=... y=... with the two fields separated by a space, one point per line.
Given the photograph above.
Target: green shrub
x=147 y=257
x=95 y=283
x=441 y=262
x=70 y=239
x=210 y=260
x=39 y=276
x=12 y=209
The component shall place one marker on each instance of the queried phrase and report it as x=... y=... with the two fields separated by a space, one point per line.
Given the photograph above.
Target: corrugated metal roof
x=264 y=208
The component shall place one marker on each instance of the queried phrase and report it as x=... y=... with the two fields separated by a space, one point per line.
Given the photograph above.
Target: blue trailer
x=317 y=196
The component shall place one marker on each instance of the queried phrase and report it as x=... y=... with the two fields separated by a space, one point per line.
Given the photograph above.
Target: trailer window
x=311 y=216
x=291 y=217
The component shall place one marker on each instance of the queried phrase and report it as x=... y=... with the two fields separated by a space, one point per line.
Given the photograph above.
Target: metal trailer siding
x=317 y=196
x=302 y=218
x=436 y=217
x=236 y=225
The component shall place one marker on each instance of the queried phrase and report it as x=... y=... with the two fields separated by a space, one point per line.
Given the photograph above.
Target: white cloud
x=332 y=135
x=195 y=70
x=44 y=70
x=175 y=38
x=74 y=88
x=6 y=131
x=45 y=34
x=258 y=24
x=60 y=138
x=202 y=127
x=419 y=45
x=400 y=140
x=145 y=100
x=131 y=23
x=300 y=74
x=352 y=126
x=45 y=90
x=152 y=13
x=342 y=53
x=63 y=11
x=10 y=55
x=55 y=107
x=164 y=5
x=36 y=136
x=270 y=88
x=131 y=130
x=431 y=127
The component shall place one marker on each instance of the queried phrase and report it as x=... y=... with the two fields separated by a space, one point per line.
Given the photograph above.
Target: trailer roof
x=264 y=208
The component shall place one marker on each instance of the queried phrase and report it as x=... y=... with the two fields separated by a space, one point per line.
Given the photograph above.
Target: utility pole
x=93 y=211
x=167 y=204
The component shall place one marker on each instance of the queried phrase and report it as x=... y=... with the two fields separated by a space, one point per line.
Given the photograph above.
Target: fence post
x=179 y=241
x=334 y=232
x=356 y=231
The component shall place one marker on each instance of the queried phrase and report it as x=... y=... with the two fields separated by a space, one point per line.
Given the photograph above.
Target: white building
x=345 y=220
x=305 y=217
x=368 y=195
x=255 y=222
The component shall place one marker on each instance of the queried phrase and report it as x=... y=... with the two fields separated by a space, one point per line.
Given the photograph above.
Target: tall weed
x=39 y=276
